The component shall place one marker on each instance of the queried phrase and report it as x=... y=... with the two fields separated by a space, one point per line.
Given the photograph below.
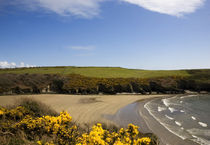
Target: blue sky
x=159 y=34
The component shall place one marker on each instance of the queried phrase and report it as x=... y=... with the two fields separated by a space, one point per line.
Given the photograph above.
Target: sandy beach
x=83 y=108
x=118 y=109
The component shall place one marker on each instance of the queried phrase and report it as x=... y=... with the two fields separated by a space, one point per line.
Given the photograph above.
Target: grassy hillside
x=94 y=80
x=101 y=72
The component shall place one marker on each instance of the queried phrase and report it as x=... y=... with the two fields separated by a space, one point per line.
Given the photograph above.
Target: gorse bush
x=99 y=136
x=22 y=126
x=14 y=114
x=60 y=127
x=39 y=109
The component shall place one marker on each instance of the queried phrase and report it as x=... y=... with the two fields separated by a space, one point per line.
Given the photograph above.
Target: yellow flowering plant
x=60 y=130
x=99 y=136
x=15 y=113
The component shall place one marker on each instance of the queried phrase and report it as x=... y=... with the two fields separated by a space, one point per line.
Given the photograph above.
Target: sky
x=139 y=34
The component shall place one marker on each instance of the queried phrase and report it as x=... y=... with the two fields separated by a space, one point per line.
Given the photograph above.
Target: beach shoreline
x=109 y=109
x=137 y=114
x=165 y=136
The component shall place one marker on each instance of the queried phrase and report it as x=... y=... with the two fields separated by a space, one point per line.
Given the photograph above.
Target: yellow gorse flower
x=99 y=136
x=65 y=133
x=144 y=140
x=1 y=112
x=49 y=123
x=16 y=113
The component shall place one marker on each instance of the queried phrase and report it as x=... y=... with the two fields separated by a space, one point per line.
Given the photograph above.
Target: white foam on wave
x=171 y=118
x=178 y=123
x=166 y=102
x=182 y=111
x=200 y=140
x=161 y=109
x=188 y=96
x=168 y=127
x=195 y=135
x=202 y=124
x=199 y=132
x=172 y=109
x=193 y=117
x=192 y=95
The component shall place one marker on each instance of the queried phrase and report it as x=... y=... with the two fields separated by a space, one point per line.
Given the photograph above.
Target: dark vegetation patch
x=89 y=100
x=174 y=82
x=38 y=108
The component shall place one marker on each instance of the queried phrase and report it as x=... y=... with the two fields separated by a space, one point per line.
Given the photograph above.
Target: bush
x=38 y=108
x=57 y=86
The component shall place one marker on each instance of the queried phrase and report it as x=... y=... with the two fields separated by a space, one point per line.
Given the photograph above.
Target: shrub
x=57 y=86
x=38 y=108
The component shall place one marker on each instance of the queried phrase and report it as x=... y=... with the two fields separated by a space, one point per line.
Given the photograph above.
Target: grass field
x=102 y=72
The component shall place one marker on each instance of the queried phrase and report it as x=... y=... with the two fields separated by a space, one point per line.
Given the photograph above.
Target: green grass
x=101 y=72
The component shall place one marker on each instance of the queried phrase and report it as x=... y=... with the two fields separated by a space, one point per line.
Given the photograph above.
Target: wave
x=172 y=109
x=191 y=113
x=200 y=140
x=178 y=123
x=193 y=117
x=171 y=118
x=188 y=96
x=199 y=132
x=202 y=124
x=171 y=101
x=173 y=129
x=161 y=109
x=166 y=102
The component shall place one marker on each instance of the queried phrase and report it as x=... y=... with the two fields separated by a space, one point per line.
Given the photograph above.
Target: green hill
x=100 y=72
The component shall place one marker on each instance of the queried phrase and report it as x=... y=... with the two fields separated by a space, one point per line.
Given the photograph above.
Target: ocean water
x=188 y=116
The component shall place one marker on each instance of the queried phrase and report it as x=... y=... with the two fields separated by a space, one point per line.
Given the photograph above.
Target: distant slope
x=100 y=72
x=107 y=80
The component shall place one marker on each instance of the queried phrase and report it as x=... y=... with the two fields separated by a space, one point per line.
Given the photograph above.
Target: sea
x=188 y=117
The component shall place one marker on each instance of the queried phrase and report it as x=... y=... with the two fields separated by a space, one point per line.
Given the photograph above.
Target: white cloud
x=82 y=8
x=82 y=47
x=5 y=64
x=170 y=7
x=91 y=8
x=22 y=64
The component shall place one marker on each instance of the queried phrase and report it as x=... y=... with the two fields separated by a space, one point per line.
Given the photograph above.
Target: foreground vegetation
x=94 y=80
x=31 y=122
